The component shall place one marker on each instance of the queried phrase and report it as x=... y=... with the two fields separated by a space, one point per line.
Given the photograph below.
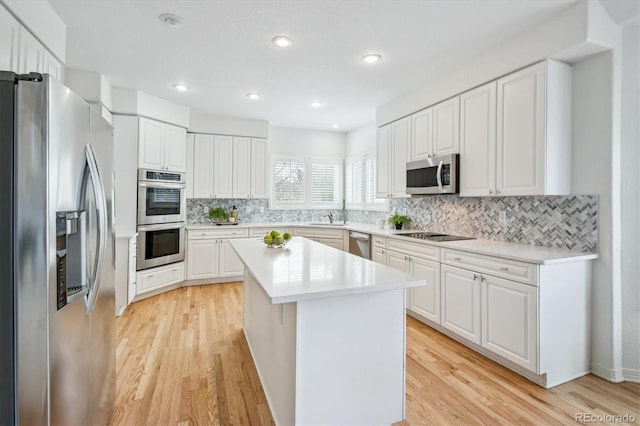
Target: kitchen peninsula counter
x=326 y=330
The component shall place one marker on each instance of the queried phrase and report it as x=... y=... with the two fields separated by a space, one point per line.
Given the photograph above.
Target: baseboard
x=608 y=374
x=631 y=375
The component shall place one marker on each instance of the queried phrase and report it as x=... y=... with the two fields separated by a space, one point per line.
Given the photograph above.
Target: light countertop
x=306 y=270
x=513 y=251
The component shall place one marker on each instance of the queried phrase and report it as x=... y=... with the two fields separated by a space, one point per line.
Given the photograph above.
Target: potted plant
x=218 y=214
x=398 y=219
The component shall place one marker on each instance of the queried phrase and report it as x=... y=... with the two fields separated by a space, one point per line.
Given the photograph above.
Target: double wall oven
x=161 y=218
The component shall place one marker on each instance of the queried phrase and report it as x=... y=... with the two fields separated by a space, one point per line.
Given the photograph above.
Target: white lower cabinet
x=509 y=320
x=132 y=276
x=331 y=237
x=460 y=301
x=156 y=278
x=210 y=255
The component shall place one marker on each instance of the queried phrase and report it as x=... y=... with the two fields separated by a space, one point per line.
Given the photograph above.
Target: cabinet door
x=521 y=132
x=52 y=66
x=400 y=146
x=230 y=263
x=460 y=302
x=203 y=166
x=383 y=151
x=222 y=173
x=150 y=145
x=397 y=261
x=338 y=244
x=478 y=141
x=131 y=279
x=175 y=148
x=9 y=41
x=510 y=320
x=379 y=256
x=425 y=300
x=259 y=177
x=31 y=53
x=421 y=136
x=241 y=183
x=202 y=259
x=446 y=127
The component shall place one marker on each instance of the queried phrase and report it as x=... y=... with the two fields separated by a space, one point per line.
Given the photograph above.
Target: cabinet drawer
x=160 y=277
x=262 y=231
x=379 y=241
x=312 y=232
x=217 y=233
x=425 y=251
x=498 y=267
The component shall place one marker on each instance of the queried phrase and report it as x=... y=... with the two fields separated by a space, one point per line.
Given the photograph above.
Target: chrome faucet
x=330 y=216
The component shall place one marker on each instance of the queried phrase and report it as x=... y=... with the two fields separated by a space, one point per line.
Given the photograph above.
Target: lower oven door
x=160 y=245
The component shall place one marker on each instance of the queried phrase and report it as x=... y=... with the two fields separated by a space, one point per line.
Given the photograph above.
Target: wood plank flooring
x=182 y=359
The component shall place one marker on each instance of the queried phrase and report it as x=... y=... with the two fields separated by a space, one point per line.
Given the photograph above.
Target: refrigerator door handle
x=90 y=170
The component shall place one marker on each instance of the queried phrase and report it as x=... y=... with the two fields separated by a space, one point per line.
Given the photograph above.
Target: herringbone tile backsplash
x=569 y=222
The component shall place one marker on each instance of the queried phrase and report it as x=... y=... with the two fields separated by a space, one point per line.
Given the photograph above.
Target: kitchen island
x=326 y=330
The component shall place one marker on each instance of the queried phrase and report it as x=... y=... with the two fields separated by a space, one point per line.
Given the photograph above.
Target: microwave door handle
x=91 y=171
x=439 y=176
x=159 y=226
x=161 y=185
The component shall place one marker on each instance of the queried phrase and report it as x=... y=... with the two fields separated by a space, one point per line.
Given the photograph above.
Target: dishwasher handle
x=359 y=236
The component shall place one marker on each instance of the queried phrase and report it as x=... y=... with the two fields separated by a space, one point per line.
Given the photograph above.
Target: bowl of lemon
x=274 y=240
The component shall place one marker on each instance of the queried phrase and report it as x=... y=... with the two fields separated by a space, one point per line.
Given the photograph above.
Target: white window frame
x=382 y=204
x=308 y=203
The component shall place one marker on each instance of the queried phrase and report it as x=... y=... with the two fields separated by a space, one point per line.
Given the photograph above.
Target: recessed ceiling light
x=316 y=104
x=282 y=41
x=371 y=58
x=253 y=96
x=334 y=126
x=171 y=20
x=181 y=87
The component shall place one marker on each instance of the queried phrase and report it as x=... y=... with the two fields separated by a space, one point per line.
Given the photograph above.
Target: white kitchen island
x=326 y=330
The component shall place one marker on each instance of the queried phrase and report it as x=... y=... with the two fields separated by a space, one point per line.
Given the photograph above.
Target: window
x=360 y=184
x=305 y=183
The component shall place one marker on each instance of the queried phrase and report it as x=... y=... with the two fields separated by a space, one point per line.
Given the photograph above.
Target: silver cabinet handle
x=475 y=276
x=490 y=192
x=504 y=269
x=174 y=269
x=150 y=276
x=456 y=258
x=483 y=278
x=203 y=234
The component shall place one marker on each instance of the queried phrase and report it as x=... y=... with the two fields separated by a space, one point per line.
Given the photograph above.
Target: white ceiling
x=224 y=50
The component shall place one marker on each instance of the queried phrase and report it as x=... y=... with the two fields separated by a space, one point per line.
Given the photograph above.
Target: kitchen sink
x=327 y=224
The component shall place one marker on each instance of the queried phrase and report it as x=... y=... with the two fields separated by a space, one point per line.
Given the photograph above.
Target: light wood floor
x=182 y=359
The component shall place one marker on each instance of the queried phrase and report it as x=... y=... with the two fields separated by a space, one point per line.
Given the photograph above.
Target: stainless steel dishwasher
x=360 y=244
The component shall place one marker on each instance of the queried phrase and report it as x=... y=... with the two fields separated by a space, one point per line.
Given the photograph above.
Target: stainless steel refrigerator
x=57 y=311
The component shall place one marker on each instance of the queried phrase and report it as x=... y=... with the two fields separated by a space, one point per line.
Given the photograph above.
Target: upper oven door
x=435 y=175
x=161 y=202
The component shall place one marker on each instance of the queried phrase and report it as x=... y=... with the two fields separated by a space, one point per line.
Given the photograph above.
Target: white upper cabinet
x=383 y=172
x=9 y=41
x=528 y=149
x=31 y=56
x=446 y=127
x=400 y=146
x=241 y=167
x=203 y=166
x=478 y=141
x=422 y=136
x=258 y=163
x=161 y=146
x=222 y=167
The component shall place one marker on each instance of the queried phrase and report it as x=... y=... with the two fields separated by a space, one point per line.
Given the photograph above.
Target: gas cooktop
x=431 y=236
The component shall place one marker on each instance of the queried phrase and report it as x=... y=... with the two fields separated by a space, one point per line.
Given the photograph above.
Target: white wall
x=361 y=139
x=130 y=101
x=203 y=123
x=289 y=141
x=91 y=86
x=630 y=206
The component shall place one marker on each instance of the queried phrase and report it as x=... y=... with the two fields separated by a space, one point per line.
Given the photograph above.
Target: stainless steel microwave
x=435 y=175
x=161 y=197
